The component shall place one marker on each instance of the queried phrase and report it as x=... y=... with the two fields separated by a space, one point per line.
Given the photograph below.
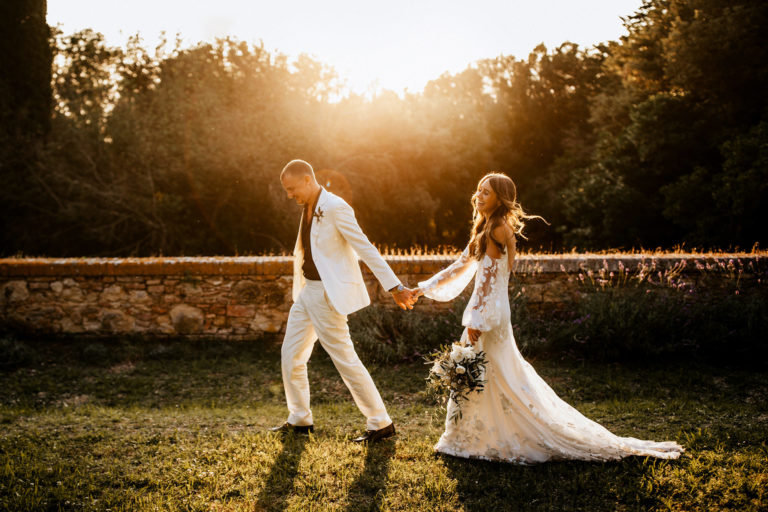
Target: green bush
x=625 y=316
x=14 y=354
x=628 y=324
x=648 y=315
x=385 y=334
x=95 y=353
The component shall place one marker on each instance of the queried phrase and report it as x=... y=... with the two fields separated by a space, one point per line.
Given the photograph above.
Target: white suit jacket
x=337 y=244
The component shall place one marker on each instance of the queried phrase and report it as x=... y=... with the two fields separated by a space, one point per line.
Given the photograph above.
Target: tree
x=25 y=69
x=653 y=140
x=692 y=80
x=25 y=113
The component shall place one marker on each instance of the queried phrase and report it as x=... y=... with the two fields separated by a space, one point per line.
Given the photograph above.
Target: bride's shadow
x=368 y=489
x=279 y=482
x=560 y=485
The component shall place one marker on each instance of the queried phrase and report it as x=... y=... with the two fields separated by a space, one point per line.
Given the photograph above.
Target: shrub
x=649 y=314
x=385 y=334
x=623 y=316
x=14 y=353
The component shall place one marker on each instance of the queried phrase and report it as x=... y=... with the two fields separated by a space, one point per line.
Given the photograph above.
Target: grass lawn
x=148 y=425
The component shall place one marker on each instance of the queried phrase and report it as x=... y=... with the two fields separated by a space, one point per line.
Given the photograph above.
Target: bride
x=517 y=417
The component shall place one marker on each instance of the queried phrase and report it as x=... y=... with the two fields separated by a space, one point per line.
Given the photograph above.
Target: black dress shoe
x=287 y=427
x=371 y=436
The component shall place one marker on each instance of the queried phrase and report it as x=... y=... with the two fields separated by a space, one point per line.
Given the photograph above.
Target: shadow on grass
x=559 y=485
x=368 y=490
x=279 y=482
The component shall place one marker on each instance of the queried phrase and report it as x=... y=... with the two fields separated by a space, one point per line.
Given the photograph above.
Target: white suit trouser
x=312 y=318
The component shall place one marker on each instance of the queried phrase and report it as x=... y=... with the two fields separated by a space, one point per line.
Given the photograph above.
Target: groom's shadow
x=368 y=490
x=557 y=485
x=279 y=483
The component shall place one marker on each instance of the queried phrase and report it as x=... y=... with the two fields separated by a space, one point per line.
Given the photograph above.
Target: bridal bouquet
x=457 y=370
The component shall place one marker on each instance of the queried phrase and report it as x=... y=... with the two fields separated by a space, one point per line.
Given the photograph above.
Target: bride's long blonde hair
x=508 y=212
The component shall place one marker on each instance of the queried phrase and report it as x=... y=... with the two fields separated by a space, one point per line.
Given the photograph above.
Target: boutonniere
x=318 y=214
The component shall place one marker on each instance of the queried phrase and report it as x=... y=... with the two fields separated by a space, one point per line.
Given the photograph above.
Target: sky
x=373 y=45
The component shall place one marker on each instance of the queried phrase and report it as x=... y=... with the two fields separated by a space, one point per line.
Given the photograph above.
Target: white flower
x=468 y=353
x=437 y=369
x=457 y=353
x=460 y=369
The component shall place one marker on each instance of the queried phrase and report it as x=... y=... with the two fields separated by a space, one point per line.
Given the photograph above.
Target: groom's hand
x=415 y=294
x=403 y=298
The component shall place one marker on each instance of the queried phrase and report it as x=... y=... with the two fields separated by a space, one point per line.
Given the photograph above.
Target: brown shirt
x=308 y=268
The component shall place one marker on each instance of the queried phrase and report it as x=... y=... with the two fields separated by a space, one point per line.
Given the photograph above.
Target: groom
x=327 y=286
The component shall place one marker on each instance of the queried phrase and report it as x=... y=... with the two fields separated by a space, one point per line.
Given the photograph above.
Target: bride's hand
x=404 y=298
x=473 y=335
x=413 y=296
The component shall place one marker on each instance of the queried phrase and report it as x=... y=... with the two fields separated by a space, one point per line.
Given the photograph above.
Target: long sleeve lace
x=448 y=283
x=483 y=311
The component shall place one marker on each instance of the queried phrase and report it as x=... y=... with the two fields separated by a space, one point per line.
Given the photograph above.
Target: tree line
x=655 y=140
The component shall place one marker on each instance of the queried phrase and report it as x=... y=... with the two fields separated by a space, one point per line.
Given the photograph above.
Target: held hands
x=407 y=297
x=404 y=298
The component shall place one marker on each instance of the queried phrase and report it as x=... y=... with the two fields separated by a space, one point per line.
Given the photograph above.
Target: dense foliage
x=658 y=139
x=25 y=111
x=642 y=315
x=25 y=59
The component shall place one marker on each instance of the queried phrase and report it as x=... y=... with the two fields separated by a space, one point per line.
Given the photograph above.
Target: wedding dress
x=517 y=417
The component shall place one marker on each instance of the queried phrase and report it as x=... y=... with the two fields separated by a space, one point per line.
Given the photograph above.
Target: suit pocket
x=328 y=302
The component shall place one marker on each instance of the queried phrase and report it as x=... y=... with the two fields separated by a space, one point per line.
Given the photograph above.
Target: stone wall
x=245 y=297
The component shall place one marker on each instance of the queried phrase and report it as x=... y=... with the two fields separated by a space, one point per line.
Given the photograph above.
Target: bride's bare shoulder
x=504 y=235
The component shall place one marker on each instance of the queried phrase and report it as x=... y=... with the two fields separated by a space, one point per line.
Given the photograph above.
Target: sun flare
x=373 y=46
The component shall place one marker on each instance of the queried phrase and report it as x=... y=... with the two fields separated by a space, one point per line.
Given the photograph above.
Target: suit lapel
x=322 y=198
x=317 y=214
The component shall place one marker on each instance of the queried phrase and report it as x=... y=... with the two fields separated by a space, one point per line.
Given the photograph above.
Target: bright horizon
x=372 y=46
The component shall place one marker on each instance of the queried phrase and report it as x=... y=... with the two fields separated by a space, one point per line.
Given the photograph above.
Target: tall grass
x=645 y=313
x=718 y=312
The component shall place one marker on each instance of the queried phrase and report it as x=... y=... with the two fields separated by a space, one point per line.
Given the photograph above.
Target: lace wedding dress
x=517 y=417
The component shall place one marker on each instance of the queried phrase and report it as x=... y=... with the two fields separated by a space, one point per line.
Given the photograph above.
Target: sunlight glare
x=396 y=45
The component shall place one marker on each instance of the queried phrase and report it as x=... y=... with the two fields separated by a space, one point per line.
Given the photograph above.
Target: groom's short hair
x=297 y=168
